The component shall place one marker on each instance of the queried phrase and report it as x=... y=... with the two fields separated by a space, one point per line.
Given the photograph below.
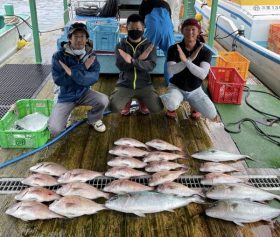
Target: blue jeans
x=197 y=99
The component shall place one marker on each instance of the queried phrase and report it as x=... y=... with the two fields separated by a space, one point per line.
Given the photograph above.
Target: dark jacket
x=135 y=75
x=72 y=88
x=146 y=8
x=185 y=80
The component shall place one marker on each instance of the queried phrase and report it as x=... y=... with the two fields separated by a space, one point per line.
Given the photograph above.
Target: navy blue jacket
x=72 y=88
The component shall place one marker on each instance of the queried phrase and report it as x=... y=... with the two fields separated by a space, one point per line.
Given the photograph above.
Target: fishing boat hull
x=264 y=64
x=9 y=36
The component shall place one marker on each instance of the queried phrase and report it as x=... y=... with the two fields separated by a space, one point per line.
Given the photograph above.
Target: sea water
x=49 y=12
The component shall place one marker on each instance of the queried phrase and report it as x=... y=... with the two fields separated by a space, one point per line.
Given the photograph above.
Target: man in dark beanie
x=74 y=69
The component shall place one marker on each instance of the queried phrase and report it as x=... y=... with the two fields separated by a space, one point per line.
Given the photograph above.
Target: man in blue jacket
x=74 y=69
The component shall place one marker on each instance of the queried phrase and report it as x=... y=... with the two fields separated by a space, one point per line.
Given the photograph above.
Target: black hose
x=274 y=119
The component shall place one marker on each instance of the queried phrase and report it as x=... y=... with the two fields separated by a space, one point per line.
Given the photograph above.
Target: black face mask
x=135 y=34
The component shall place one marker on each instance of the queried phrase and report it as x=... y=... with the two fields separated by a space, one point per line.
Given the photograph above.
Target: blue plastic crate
x=105 y=37
x=101 y=21
x=160 y=53
x=178 y=37
x=62 y=38
x=95 y=19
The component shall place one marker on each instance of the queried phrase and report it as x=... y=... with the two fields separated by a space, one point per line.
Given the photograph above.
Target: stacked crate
x=225 y=85
x=274 y=38
x=234 y=60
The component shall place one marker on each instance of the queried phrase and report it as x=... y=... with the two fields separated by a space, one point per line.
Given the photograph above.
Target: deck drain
x=266 y=182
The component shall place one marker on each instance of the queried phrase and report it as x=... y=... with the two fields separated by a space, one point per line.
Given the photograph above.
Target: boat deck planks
x=85 y=148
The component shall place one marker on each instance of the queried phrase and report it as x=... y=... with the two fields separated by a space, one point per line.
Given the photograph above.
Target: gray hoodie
x=135 y=75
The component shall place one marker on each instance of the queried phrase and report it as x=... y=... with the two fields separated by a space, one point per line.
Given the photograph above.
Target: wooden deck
x=85 y=148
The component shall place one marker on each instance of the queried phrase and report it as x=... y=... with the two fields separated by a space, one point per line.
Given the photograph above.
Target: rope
x=11 y=20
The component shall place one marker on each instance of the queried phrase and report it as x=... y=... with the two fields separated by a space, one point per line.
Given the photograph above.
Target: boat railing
x=73 y=4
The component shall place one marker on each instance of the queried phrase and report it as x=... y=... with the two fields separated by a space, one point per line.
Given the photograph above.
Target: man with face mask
x=135 y=57
x=74 y=69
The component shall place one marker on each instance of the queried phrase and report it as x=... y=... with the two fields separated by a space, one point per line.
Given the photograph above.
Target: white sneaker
x=99 y=126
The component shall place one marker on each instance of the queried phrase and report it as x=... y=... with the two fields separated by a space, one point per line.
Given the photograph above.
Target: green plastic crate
x=23 y=138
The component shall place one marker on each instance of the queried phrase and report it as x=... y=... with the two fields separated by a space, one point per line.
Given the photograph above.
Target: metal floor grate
x=266 y=182
x=20 y=81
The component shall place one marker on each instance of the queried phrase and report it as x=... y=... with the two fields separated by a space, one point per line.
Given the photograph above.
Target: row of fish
x=161 y=195
x=77 y=195
x=237 y=202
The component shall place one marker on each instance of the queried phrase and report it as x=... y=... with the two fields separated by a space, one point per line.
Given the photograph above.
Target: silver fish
x=126 y=162
x=123 y=186
x=49 y=168
x=157 y=166
x=177 y=189
x=240 y=191
x=40 y=180
x=148 y=202
x=164 y=176
x=241 y=211
x=31 y=210
x=215 y=167
x=78 y=175
x=162 y=145
x=218 y=156
x=73 y=206
x=161 y=155
x=129 y=142
x=127 y=151
x=219 y=178
x=82 y=190
x=124 y=173
x=37 y=194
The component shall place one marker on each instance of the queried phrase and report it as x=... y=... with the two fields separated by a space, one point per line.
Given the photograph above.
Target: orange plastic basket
x=234 y=60
x=225 y=85
x=274 y=29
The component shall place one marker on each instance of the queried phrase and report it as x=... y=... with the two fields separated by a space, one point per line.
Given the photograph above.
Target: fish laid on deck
x=82 y=190
x=124 y=173
x=219 y=178
x=149 y=202
x=218 y=156
x=37 y=194
x=49 y=168
x=126 y=162
x=240 y=191
x=40 y=180
x=162 y=165
x=78 y=175
x=215 y=167
x=125 y=186
x=129 y=142
x=177 y=189
x=241 y=211
x=127 y=151
x=73 y=206
x=31 y=210
x=162 y=145
x=161 y=155
x=164 y=176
